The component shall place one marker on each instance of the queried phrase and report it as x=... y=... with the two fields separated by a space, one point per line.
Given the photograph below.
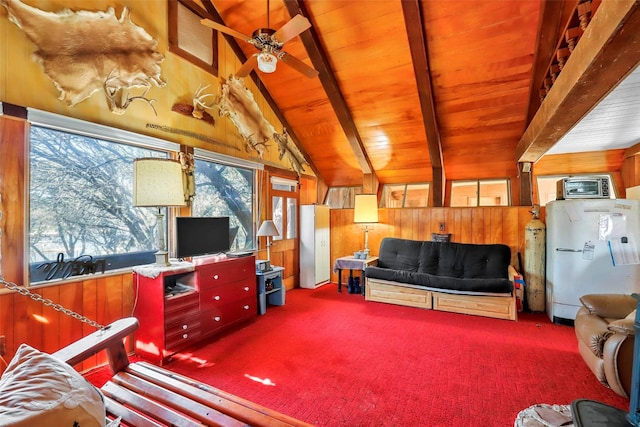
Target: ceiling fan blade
x=298 y=65
x=295 y=26
x=249 y=65
x=219 y=27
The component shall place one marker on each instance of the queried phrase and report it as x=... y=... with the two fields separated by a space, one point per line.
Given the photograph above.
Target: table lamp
x=366 y=213
x=268 y=229
x=158 y=183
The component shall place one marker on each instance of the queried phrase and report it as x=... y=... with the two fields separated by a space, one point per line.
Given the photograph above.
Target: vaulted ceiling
x=417 y=91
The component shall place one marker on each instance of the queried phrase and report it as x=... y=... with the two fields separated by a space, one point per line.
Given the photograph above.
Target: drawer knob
x=217 y=318
x=217 y=298
x=185 y=336
x=185 y=326
x=246 y=307
x=246 y=288
x=215 y=276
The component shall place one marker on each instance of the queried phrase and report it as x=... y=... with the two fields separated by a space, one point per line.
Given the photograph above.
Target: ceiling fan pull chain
x=47 y=302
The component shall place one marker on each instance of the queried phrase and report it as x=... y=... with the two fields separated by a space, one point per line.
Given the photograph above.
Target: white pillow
x=37 y=389
x=631 y=316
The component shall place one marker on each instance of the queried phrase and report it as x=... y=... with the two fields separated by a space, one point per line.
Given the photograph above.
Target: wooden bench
x=147 y=395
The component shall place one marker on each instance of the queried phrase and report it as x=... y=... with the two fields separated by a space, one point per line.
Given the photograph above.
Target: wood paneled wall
x=12 y=198
x=100 y=298
x=466 y=225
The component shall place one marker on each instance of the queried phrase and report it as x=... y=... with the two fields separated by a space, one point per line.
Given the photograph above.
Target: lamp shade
x=366 y=208
x=267 y=62
x=157 y=182
x=268 y=228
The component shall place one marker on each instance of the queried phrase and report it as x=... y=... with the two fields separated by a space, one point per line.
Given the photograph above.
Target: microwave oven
x=595 y=187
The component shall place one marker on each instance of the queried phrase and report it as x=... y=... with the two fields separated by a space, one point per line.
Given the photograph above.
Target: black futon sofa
x=459 y=277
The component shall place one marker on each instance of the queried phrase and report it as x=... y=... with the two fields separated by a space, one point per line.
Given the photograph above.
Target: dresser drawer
x=180 y=334
x=181 y=307
x=225 y=294
x=217 y=274
x=224 y=314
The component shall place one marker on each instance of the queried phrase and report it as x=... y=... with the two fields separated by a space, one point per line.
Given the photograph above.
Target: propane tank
x=534 y=262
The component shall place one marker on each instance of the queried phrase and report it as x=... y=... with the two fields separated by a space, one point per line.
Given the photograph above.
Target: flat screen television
x=202 y=235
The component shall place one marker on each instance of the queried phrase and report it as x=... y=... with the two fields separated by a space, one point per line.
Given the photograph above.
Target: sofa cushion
x=37 y=389
x=399 y=254
x=609 y=306
x=440 y=282
x=496 y=285
x=465 y=260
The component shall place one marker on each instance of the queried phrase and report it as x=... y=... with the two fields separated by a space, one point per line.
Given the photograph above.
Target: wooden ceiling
x=417 y=91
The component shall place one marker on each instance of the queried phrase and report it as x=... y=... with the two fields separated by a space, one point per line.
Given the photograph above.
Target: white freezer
x=592 y=247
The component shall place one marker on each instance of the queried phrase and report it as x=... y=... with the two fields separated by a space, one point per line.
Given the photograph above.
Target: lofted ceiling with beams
x=422 y=91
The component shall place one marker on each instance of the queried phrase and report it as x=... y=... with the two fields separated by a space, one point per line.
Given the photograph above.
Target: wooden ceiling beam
x=607 y=52
x=418 y=46
x=321 y=63
x=215 y=16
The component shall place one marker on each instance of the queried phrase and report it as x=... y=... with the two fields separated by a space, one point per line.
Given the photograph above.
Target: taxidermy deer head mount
x=83 y=52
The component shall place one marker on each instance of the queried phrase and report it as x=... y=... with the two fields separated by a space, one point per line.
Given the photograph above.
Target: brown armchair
x=604 y=327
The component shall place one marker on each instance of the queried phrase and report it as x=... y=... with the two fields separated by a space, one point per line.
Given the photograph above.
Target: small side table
x=351 y=263
x=273 y=296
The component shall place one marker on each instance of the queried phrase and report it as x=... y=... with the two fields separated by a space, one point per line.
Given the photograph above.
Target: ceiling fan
x=269 y=42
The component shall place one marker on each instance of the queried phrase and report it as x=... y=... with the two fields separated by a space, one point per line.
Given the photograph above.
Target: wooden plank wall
x=466 y=225
x=100 y=298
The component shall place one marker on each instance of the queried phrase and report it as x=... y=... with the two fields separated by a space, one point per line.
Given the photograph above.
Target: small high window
x=405 y=195
x=190 y=39
x=342 y=197
x=547 y=186
x=489 y=192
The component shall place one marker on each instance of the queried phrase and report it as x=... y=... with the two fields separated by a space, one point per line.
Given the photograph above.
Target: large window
x=489 y=192
x=80 y=205
x=80 y=197
x=226 y=190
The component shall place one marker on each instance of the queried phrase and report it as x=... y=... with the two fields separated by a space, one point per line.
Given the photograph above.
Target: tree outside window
x=224 y=190
x=80 y=201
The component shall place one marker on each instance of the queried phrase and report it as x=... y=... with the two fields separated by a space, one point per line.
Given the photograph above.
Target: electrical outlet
x=442 y=226
x=3 y=345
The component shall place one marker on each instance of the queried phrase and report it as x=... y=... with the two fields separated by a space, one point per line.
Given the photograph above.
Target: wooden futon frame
x=146 y=395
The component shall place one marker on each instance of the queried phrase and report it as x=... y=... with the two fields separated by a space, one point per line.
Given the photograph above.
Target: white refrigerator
x=592 y=248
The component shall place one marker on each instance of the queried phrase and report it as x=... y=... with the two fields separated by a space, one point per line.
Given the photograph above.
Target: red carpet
x=335 y=360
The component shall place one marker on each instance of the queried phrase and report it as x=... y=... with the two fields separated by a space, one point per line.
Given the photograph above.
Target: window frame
x=69 y=125
x=348 y=199
x=405 y=190
x=478 y=183
x=173 y=34
x=286 y=196
x=557 y=177
x=210 y=156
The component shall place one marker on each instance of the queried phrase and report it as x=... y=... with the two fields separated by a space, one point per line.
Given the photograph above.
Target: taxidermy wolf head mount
x=83 y=52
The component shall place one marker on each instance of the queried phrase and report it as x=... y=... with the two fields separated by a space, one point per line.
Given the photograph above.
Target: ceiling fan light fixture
x=267 y=62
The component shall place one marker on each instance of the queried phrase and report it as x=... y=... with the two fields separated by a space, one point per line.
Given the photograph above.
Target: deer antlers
x=119 y=100
x=198 y=107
